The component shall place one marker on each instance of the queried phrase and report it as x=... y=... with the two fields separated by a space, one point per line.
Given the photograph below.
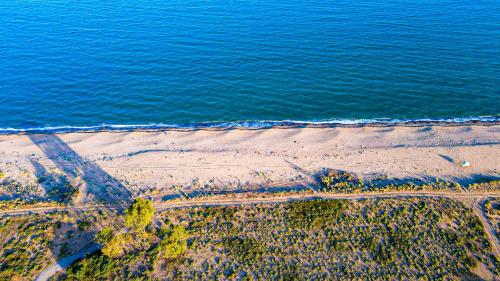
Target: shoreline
x=259 y=125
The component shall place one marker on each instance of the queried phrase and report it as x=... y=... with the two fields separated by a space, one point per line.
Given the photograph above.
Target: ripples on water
x=85 y=63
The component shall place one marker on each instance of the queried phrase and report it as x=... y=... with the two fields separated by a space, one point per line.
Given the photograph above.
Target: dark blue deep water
x=94 y=62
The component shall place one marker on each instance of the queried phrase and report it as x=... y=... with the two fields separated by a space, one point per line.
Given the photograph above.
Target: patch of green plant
x=104 y=235
x=116 y=246
x=19 y=203
x=93 y=267
x=417 y=185
x=345 y=182
x=246 y=249
x=485 y=184
x=141 y=246
x=316 y=213
x=173 y=242
x=29 y=243
x=341 y=181
x=378 y=239
x=82 y=225
x=139 y=214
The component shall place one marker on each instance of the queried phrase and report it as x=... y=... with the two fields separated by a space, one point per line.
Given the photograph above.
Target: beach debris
x=465 y=164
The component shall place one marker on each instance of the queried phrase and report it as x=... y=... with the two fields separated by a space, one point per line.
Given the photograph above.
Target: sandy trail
x=478 y=206
x=463 y=196
x=62 y=264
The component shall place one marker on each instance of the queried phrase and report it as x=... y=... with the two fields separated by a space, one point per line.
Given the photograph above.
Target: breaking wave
x=263 y=124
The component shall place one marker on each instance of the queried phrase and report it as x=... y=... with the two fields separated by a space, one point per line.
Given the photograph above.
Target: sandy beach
x=167 y=162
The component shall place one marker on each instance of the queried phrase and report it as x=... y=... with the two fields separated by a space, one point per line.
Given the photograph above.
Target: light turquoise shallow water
x=88 y=63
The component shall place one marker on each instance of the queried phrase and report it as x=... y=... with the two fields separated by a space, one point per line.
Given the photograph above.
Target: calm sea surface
x=87 y=63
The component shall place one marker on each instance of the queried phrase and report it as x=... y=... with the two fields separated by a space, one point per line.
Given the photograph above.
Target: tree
x=174 y=242
x=116 y=245
x=139 y=214
x=105 y=235
x=93 y=267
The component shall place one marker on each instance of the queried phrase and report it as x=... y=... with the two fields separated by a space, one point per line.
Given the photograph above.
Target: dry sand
x=168 y=161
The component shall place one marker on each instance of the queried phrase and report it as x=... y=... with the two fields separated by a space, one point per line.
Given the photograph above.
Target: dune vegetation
x=414 y=238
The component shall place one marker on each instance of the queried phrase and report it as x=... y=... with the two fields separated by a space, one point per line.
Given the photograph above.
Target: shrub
x=485 y=185
x=94 y=267
x=244 y=248
x=310 y=214
x=105 y=235
x=83 y=225
x=139 y=214
x=115 y=247
x=174 y=242
x=341 y=181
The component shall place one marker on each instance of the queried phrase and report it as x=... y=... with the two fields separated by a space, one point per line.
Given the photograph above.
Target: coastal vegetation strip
x=395 y=238
x=322 y=184
x=30 y=243
x=390 y=238
x=58 y=229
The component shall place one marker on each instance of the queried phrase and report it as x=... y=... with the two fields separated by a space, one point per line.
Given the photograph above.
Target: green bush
x=174 y=241
x=311 y=214
x=115 y=247
x=94 y=267
x=83 y=225
x=105 y=235
x=139 y=214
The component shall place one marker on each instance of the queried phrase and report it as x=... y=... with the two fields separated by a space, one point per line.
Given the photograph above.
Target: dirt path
x=64 y=263
x=305 y=197
x=259 y=200
x=477 y=205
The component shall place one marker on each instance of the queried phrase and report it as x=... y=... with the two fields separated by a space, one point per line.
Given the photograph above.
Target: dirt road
x=467 y=196
x=64 y=263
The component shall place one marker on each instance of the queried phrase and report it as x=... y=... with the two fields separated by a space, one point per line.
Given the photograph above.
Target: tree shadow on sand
x=98 y=186
x=92 y=184
x=56 y=186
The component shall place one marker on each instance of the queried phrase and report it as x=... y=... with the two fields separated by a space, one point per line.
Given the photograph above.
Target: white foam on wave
x=256 y=124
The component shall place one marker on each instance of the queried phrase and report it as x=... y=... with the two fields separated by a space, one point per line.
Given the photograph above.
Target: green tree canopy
x=105 y=235
x=174 y=242
x=93 y=267
x=139 y=214
x=116 y=246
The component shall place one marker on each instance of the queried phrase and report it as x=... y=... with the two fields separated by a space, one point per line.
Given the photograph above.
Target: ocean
x=122 y=64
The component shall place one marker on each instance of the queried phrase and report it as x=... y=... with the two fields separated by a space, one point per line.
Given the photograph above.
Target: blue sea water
x=88 y=63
